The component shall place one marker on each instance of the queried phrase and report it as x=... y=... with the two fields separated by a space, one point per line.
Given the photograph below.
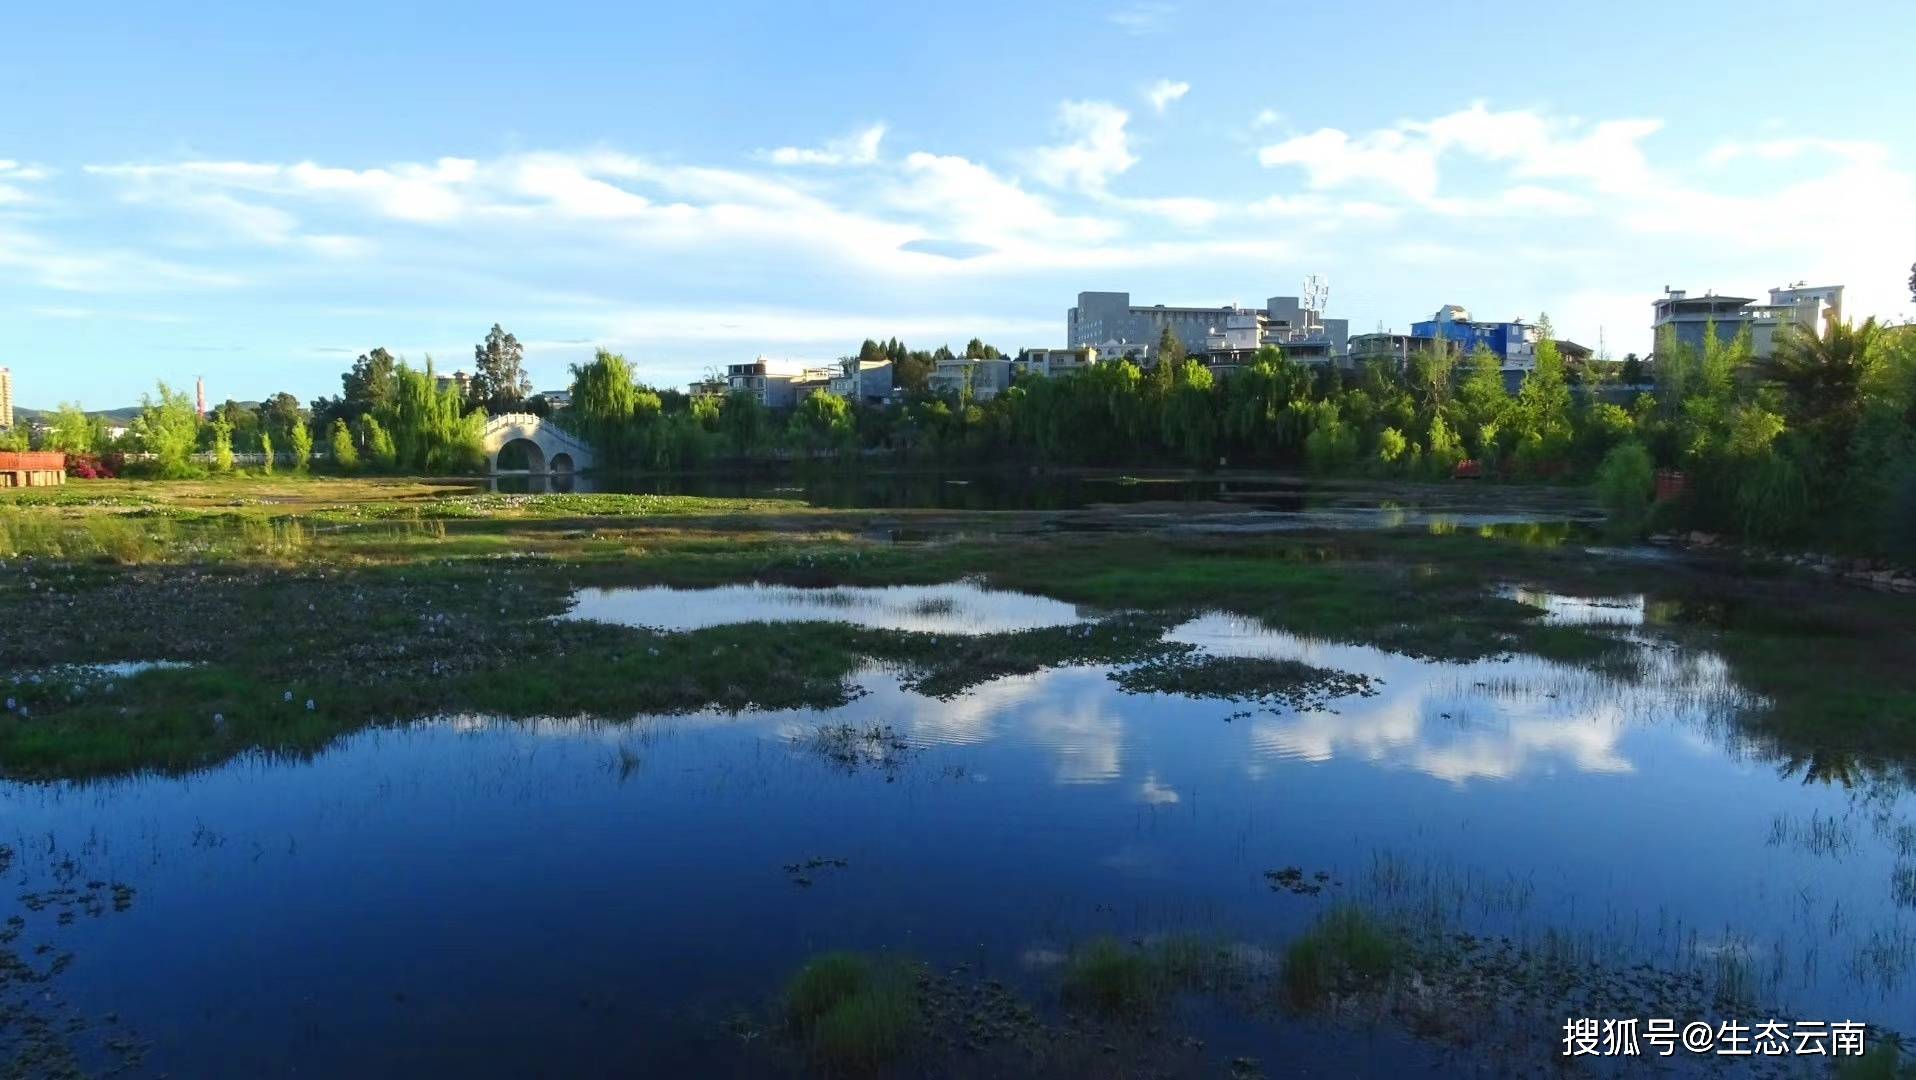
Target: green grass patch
x=853 y=1013
x=1347 y=949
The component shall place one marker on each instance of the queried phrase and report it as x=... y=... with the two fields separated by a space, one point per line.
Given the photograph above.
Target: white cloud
x=1855 y=150
x=12 y=174
x=858 y=148
x=1098 y=147
x=1162 y=93
x=69 y=268
x=1143 y=16
x=1267 y=118
x=979 y=205
x=1187 y=211
x=1406 y=158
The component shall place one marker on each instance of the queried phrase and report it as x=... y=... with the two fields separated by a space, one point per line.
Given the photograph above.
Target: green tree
x=605 y=401
x=1188 y=424
x=380 y=451
x=222 y=443
x=301 y=437
x=1626 y=480
x=345 y=454
x=1391 y=449
x=168 y=428
x=1485 y=402
x=1822 y=378
x=499 y=381
x=822 y=422
x=242 y=422
x=431 y=429
x=1444 y=449
x=1332 y=444
x=266 y=462
x=1542 y=412
x=746 y=423
x=367 y=387
x=278 y=414
x=73 y=431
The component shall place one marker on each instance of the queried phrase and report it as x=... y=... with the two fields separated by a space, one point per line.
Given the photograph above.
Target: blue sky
x=257 y=195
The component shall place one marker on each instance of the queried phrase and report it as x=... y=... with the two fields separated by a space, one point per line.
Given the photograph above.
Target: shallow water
x=1299 y=500
x=495 y=897
x=956 y=608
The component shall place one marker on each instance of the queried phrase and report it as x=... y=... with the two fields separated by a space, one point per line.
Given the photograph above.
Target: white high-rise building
x=6 y=397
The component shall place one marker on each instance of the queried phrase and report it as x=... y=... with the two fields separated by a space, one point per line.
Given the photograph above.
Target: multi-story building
x=1049 y=362
x=458 y=378
x=983 y=379
x=1811 y=307
x=777 y=384
x=6 y=398
x=1395 y=349
x=863 y=382
x=1513 y=343
x=1110 y=317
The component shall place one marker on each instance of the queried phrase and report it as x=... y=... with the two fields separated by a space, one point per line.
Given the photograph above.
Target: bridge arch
x=550 y=448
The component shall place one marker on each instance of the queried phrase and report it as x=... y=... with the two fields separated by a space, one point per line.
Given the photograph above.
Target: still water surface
x=490 y=897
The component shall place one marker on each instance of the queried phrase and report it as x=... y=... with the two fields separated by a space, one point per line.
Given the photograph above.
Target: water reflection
x=1492 y=719
x=616 y=889
x=956 y=608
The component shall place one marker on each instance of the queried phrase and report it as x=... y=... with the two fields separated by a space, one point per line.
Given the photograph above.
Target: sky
x=257 y=193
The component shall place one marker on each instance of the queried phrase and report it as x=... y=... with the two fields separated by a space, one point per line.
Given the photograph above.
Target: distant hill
x=111 y=416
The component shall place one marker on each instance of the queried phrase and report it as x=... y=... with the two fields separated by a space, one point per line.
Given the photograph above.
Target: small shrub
x=1626 y=483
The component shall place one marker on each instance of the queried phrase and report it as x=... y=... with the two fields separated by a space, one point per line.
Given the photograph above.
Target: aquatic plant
x=1109 y=978
x=1348 y=948
x=852 y=1012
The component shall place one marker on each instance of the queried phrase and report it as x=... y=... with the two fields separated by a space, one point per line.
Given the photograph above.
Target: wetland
x=391 y=777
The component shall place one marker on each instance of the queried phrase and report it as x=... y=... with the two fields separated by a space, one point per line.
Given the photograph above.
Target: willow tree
x=431 y=430
x=605 y=403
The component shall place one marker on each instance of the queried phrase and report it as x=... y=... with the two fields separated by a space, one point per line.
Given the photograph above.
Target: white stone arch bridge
x=550 y=448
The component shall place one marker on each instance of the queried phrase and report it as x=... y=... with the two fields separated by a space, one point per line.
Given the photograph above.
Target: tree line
x=388 y=417
x=1817 y=441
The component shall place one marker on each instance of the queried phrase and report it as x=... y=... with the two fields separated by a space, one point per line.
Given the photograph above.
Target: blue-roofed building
x=1513 y=343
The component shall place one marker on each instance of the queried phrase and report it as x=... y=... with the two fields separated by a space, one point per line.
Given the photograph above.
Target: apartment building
x=1689 y=318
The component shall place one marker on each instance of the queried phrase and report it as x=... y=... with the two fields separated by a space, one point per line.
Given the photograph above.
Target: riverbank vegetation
x=385 y=600
x=1815 y=445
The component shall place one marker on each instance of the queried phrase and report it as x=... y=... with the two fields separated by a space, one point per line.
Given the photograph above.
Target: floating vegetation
x=852 y=746
x=1291 y=879
x=1290 y=683
x=802 y=873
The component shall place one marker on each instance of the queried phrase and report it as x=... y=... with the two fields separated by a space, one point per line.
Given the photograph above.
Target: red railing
x=35 y=461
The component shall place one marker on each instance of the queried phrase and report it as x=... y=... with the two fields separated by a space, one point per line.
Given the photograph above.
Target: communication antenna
x=1317 y=293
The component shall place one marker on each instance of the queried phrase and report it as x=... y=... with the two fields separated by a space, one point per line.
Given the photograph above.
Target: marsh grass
x=1820 y=834
x=853 y=1013
x=1883 y=1061
x=1108 y=978
x=1348 y=949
